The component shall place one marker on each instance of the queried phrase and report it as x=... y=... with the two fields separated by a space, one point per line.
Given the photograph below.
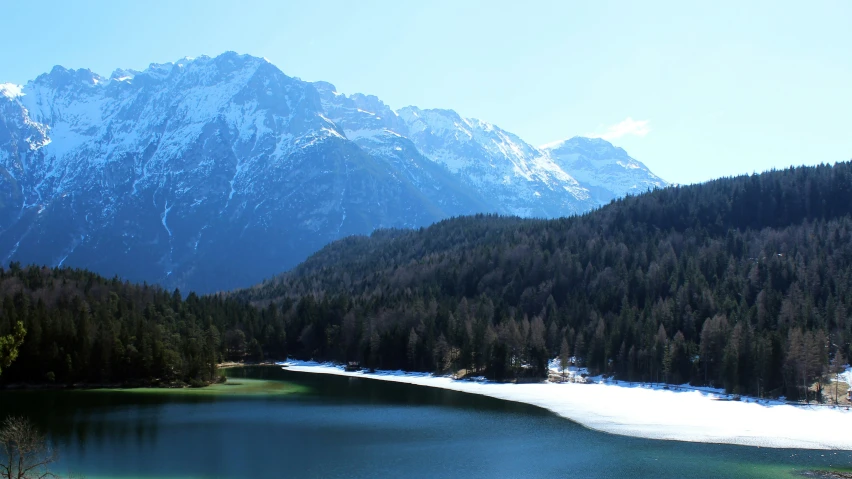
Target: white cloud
x=628 y=126
x=10 y=90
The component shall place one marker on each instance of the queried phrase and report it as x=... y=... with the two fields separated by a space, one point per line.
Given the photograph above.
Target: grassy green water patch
x=233 y=387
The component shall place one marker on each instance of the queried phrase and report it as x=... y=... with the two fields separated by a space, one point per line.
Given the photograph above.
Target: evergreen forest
x=743 y=283
x=81 y=328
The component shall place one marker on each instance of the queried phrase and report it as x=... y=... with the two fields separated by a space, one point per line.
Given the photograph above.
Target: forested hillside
x=83 y=328
x=741 y=282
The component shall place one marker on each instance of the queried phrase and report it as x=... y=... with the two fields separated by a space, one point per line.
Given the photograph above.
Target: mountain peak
x=413 y=111
x=325 y=87
x=607 y=170
x=226 y=62
x=121 y=74
x=61 y=77
x=578 y=142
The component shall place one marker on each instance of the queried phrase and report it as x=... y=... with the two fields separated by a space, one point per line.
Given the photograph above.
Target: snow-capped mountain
x=213 y=173
x=517 y=178
x=606 y=171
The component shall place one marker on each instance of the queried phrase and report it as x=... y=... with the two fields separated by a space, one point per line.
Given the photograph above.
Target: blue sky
x=695 y=90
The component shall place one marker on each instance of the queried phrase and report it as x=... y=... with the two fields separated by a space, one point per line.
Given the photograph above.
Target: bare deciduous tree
x=564 y=356
x=837 y=366
x=24 y=451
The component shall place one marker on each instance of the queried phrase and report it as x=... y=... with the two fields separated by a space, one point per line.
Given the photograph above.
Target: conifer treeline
x=741 y=282
x=83 y=328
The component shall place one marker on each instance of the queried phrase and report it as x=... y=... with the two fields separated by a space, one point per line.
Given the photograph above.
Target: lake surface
x=304 y=425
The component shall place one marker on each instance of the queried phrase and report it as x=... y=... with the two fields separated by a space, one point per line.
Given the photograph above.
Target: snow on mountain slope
x=518 y=178
x=569 y=177
x=378 y=130
x=214 y=173
x=206 y=174
x=521 y=178
x=607 y=171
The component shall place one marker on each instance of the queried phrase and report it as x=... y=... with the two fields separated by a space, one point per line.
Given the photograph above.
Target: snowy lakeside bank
x=649 y=412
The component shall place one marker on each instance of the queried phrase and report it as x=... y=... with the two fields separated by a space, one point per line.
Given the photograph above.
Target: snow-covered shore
x=648 y=412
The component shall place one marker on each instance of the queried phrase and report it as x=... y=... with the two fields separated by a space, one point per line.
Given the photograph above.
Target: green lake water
x=273 y=423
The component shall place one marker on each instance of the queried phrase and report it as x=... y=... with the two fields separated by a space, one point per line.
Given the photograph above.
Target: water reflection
x=352 y=428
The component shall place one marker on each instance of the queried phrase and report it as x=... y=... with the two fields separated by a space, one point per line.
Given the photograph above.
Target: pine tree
x=564 y=356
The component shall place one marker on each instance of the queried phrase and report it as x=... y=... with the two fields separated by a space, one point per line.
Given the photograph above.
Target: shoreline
x=646 y=412
x=238 y=364
x=95 y=386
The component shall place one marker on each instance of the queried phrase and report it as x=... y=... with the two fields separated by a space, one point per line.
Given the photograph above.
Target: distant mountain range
x=214 y=173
